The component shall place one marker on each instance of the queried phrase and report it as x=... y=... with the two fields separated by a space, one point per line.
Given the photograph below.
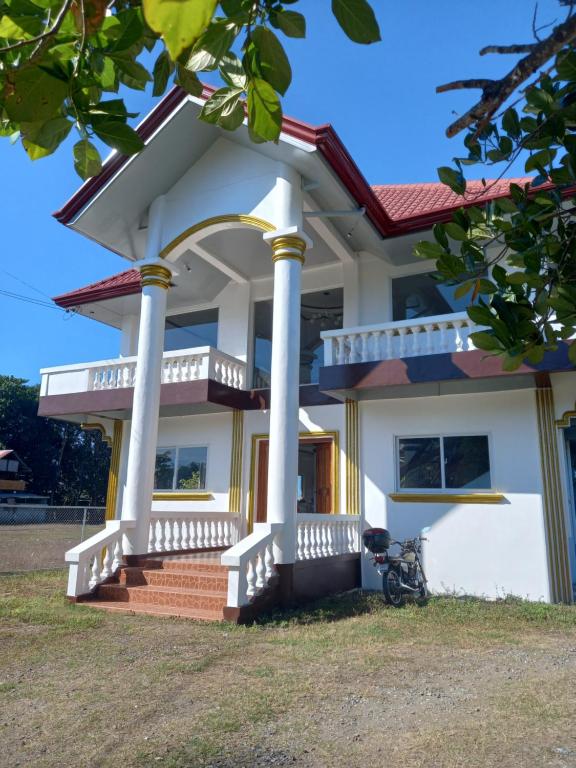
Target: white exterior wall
x=214 y=431
x=479 y=549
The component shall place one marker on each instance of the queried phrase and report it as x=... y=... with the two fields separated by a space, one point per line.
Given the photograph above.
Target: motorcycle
x=402 y=573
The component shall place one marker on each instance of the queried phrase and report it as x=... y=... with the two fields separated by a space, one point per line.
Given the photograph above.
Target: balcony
x=192 y=380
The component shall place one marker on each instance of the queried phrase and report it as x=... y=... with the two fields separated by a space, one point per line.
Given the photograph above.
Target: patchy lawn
x=347 y=683
x=34 y=547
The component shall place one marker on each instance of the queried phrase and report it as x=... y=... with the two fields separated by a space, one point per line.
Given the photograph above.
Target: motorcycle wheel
x=392 y=589
x=422 y=598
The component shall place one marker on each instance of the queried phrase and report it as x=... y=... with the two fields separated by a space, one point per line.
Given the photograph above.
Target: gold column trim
x=448 y=498
x=155 y=274
x=288 y=247
x=114 y=471
x=99 y=428
x=235 y=494
x=564 y=421
x=352 y=459
x=335 y=437
x=553 y=498
x=229 y=218
x=182 y=496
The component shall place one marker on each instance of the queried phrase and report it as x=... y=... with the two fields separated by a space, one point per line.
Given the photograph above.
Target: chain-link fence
x=36 y=537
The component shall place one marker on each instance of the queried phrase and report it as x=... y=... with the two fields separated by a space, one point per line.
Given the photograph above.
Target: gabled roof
x=403 y=204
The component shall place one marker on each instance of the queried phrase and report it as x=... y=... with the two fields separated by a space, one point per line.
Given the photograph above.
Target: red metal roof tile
x=122 y=284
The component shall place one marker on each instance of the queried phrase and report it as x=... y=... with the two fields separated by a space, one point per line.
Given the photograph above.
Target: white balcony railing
x=327 y=535
x=405 y=338
x=181 y=366
x=175 y=530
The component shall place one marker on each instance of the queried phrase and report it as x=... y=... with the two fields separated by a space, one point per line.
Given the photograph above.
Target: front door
x=570 y=437
x=315 y=476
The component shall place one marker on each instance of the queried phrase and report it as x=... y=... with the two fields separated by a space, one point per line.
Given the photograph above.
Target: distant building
x=15 y=475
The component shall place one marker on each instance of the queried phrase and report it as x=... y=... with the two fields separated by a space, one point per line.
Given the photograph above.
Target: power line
x=31 y=300
x=28 y=285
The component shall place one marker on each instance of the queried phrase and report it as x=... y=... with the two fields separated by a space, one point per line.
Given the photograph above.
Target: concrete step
x=169 y=597
x=208 y=561
x=198 y=614
x=200 y=580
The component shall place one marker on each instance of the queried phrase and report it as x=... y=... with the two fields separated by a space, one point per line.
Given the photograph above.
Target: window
x=319 y=311
x=179 y=469
x=194 y=329
x=444 y=462
x=422 y=296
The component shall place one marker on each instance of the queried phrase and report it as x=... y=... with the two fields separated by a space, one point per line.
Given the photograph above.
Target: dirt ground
x=346 y=683
x=33 y=547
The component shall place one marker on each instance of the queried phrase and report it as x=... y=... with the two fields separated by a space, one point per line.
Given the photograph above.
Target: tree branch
x=474 y=83
x=521 y=48
x=40 y=39
x=496 y=92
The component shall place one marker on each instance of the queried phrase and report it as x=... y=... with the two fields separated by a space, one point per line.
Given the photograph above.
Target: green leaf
x=34 y=95
x=463 y=289
x=131 y=30
x=293 y=24
x=453 y=179
x=455 y=231
x=511 y=122
x=209 y=50
x=264 y=110
x=20 y=27
x=506 y=205
x=132 y=73
x=232 y=118
x=274 y=65
x=486 y=286
x=222 y=101
x=480 y=315
x=188 y=80
x=357 y=19
x=163 y=68
x=486 y=341
x=179 y=22
x=426 y=249
x=566 y=66
x=118 y=135
x=87 y=160
x=233 y=72
x=572 y=352
x=511 y=363
x=41 y=139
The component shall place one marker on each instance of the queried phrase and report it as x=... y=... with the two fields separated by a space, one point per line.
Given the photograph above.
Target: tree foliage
x=62 y=60
x=515 y=258
x=68 y=464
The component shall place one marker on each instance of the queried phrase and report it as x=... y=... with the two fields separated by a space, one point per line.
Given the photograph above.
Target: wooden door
x=262 y=481
x=324 y=477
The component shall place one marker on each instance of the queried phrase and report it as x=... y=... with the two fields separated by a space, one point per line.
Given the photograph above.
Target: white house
x=288 y=374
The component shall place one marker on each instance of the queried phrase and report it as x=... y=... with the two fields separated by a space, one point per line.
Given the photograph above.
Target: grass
x=340 y=683
x=34 y=547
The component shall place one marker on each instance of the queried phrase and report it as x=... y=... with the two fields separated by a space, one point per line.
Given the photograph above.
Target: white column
x=288 y=257
x=137 y=500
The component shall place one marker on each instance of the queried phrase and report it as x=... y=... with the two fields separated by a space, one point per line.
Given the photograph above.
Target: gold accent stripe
x=352 y=456
x=114 y=472
x=553 y=499
x=156 y=270
x=182 y=496
x=448 y=498
x=100 y=428
x=565 y=420
x=230 y=218
x=288 y=247
x=235 y=495
x=154 y=281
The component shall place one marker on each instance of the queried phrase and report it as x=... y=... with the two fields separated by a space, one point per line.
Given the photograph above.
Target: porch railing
x=250 y=564
x=326 y=535
x=97 y=558
x=183 y=365
x=171 y=531
x=406 y=338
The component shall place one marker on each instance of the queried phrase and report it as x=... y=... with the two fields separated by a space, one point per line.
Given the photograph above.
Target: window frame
x=189 y=310
x=443 y=488
x=177 y=448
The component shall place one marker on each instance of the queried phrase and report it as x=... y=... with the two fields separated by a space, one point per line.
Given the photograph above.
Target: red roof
x=5 y=453
x=122 y=284
x=403 y=202
x=414 y=206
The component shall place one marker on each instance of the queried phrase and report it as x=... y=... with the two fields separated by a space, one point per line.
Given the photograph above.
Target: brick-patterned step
x=138 y=577
x=177 y=597
x=208 y=562
x=157 y=610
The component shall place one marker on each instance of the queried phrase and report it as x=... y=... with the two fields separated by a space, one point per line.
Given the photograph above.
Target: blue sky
x=380 y=99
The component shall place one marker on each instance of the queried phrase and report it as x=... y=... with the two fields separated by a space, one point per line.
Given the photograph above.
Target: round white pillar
x=146 y=405
x=288 y=257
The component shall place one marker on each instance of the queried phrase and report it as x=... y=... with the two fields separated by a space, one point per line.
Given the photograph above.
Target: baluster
x=241 y=377
x=329 y=539
x=160 y=535
x=300 y=542
x=118 y=377
x=306 y=527
x=95 y=579
x=219 y=534
x=250 y=580
x=353 y=348
x=196 y=362
x=316 y=545
x=324 y=535
x=151 y=535
x=217 y=370
x=466 y=330
x=459 y=343
x=117 y=561
x=185 y=536
x=176 y=539
x=213 y=534
x=365 y=355
x=260 y=572
x=402 y=347
x=94 y=384
x=339 y=539
x=442 y=327
x=168 y=536
x=193 y=535
x=341 y=350
x=376 y=350
x=416 y=339
x=389 y=354
x=430 y=339
x=207 y=544
x=268 y=562
x=106 y=563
